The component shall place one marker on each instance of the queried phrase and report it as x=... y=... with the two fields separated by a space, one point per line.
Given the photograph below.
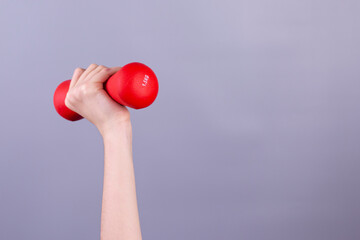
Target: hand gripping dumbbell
x=135 y=85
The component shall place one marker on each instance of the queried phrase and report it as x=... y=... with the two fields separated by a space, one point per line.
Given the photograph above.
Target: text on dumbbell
x=146 y=78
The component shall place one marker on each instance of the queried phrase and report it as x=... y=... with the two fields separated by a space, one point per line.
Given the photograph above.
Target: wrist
x=116 y=129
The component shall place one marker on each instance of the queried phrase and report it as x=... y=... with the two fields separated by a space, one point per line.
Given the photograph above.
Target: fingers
x=76 y=75
x=103 y=74
x=84 y=75
x=93 y=73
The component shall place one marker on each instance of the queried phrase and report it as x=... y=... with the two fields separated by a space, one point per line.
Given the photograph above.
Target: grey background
x=254 y=135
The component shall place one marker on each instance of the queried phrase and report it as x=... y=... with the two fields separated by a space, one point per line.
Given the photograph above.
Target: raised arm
x=119 y=218
x=86 y=96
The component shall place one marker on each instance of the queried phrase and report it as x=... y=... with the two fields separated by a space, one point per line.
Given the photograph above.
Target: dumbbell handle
x=135 y=85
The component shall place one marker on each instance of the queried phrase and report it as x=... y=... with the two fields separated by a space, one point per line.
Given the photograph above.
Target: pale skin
x=87 y=97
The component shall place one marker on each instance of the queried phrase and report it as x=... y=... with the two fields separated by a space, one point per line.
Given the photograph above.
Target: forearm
x=119 y=215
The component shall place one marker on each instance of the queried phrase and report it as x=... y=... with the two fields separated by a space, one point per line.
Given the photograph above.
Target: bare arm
x=86 y=96
x=119 y=218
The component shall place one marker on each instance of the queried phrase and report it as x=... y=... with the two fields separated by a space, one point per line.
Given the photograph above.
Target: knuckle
x=106 y=70
x=78 y=69
x=67 y=103
x=92 y=65
x=103 y=68
x=71 y=96
x=69 y=100
x=83 y=90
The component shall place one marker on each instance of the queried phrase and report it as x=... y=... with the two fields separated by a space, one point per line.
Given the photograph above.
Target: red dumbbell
x=135 y=85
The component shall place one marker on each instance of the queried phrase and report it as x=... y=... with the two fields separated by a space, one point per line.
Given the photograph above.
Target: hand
x=87 y=97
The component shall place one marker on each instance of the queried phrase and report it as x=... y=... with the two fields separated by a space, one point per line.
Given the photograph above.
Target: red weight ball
x=59 y=102
x=135 y=85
